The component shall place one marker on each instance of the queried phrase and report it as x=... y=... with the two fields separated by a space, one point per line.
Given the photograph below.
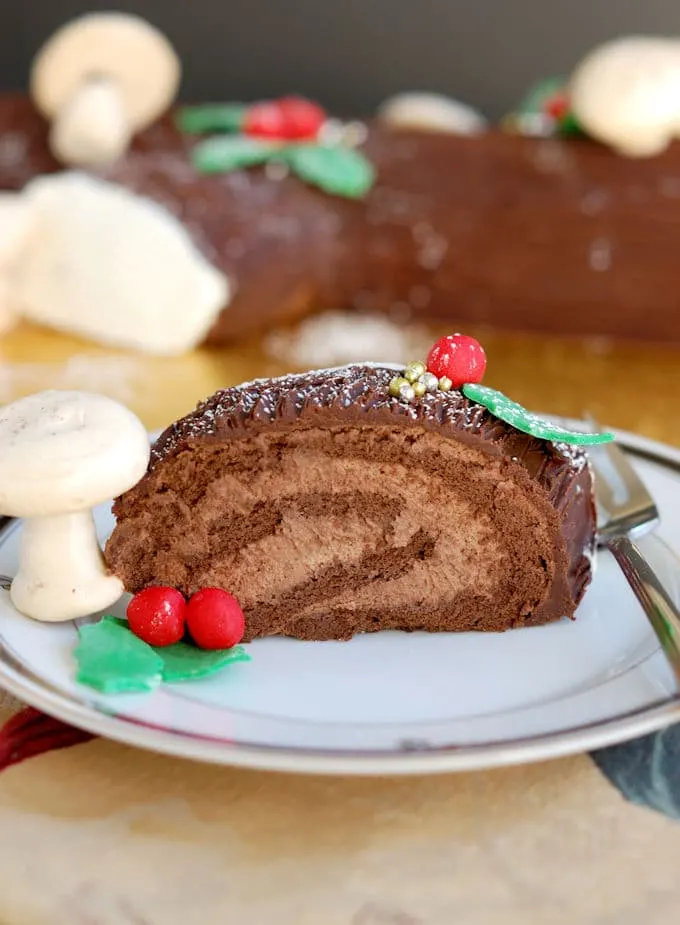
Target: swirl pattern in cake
x=329 y=507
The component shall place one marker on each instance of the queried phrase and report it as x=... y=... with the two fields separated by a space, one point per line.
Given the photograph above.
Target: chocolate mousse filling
x=330 y=508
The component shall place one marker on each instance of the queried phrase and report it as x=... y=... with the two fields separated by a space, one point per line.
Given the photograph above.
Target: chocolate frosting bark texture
x=537 y=234
x=330 y=508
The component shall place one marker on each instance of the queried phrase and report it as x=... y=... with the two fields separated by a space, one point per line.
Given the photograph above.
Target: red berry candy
x=288 y=119
x=557 y=106
x=264 y=120
x=302 y=118
x=459 y=357
x=215 y=619
x=158 y=615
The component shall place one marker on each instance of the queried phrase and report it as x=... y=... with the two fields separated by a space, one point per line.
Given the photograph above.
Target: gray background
x=350 y=54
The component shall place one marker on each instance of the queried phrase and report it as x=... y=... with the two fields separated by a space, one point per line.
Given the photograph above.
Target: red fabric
x=30 y=733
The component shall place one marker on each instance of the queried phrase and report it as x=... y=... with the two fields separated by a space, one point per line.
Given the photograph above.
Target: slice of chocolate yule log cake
x=359 y=499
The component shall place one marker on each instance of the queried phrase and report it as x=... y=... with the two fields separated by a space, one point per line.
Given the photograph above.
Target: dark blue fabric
x=647 y=770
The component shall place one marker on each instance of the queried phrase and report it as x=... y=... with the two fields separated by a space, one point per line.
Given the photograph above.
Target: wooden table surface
x=634 y=387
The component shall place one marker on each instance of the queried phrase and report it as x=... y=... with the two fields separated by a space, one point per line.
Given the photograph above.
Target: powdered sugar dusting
x=13 y=149
x=360 y=390
x=113 y=376
x=345 y=337
x=357 y=396
x=600 y=255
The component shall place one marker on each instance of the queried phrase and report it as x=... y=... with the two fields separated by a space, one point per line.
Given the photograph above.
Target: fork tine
x=620 y=493
x=605 y=495
x=619 y=463
x=639 y=513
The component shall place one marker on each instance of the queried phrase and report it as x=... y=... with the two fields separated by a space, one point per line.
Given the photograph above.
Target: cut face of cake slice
x=330 y=507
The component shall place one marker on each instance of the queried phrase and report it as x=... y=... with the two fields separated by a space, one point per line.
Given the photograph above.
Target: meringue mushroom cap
x=433 y=112
x=116 y=267
x=120 y=47
x=627 y=92
x=16 y=224
x=66 y=451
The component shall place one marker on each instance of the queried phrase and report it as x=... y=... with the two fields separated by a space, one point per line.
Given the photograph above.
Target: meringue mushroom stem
x=62 y=572
x=92 y=128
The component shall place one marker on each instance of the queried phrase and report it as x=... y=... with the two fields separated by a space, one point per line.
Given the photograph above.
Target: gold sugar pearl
x=414 y=371
x=429 y=381
x=396 y=385
x=353 y=134
x=445 y=384
x=419 y=388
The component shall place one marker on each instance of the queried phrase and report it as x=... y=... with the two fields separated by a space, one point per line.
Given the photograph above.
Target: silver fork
x=627 y=511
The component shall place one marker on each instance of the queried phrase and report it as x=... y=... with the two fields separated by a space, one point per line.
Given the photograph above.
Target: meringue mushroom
x=431 y=112
x=101 y=78
x=626 y=93
x=113 y=266
x=16 y=224
x=62 y=453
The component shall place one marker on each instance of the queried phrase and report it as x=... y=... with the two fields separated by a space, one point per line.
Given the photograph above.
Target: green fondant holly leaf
x=183 y=662
x=539 y=94
x=513 y=413
x=114 y=661
x=569 y=125
x=533 y=107
x=211 y=117
x=225 y=153
x=337 y=170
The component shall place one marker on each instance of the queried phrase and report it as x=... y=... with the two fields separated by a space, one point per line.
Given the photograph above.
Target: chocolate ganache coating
x=557 y=235
x=330 y=507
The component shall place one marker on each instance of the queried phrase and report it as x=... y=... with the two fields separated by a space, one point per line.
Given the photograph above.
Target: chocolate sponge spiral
x=330 y=508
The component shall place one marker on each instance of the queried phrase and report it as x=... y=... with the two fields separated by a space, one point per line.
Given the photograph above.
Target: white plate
x=391 y=702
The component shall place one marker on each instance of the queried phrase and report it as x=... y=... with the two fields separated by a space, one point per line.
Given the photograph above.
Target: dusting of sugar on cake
x=13 y=149
x=361 y=389
x=113 y=376
x=600 y=255
x=337 y=337
x=355 y=397
x=431 y=246
x=594 y=202
x=670 y=187
x=574 y=453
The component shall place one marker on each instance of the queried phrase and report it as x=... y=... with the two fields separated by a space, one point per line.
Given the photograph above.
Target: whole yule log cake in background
x=349 y=500
x=549 y=234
